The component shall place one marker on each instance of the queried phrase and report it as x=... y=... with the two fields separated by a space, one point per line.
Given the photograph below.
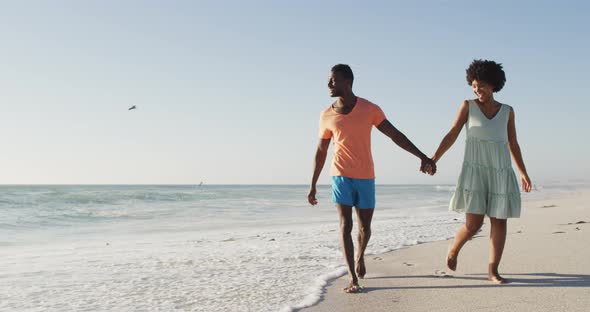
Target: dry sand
x=546 y=260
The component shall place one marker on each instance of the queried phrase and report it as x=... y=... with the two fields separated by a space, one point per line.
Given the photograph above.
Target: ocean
x=194 y=248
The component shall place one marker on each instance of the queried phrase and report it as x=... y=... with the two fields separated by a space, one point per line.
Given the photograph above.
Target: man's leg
x=345 y=213
x=364 y=217
x=472 y=224
x=498 y=239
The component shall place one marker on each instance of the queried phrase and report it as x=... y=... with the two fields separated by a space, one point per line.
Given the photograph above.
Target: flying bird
x=132 y=107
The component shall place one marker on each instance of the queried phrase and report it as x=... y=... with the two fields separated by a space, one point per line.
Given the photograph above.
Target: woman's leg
x=472 y=224
x=498 y=240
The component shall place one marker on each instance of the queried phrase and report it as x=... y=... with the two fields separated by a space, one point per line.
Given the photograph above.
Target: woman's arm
x=516 y=154
x=452 y=135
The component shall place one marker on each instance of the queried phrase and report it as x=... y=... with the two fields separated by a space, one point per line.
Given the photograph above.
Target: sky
x=229 y=92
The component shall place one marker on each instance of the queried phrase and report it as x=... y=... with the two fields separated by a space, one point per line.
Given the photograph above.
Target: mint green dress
x=487 y=184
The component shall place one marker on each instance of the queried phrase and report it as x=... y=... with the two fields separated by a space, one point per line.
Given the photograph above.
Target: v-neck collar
x=489 y=119
x=352 y=110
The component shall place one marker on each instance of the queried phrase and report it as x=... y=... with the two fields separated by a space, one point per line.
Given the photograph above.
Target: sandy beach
x=545 y=261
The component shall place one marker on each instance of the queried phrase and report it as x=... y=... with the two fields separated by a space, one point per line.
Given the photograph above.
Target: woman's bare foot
x=452 y=261
x=497 y=279
x=361 y=270
x=494 y=276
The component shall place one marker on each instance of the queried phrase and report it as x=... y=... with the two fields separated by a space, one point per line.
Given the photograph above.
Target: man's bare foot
x=352 y=288
x=494 y=276
x=361 y=270
x=451 y=261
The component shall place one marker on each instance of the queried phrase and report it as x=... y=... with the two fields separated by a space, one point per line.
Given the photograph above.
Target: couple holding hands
x=487 y=184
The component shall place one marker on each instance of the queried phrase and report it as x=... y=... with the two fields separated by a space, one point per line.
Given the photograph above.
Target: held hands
x=311 y=196
x=428 y=166
x=526 y=183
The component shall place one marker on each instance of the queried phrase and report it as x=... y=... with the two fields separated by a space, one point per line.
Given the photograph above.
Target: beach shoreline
x=544 y=260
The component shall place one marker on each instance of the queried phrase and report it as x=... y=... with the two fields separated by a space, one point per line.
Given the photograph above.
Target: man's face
x=337 y=84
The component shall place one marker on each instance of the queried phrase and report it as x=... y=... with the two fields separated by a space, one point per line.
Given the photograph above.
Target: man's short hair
x=345 y=71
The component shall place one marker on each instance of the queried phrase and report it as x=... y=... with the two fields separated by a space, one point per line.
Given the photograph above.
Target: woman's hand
x=526 y=182
x=428 y=166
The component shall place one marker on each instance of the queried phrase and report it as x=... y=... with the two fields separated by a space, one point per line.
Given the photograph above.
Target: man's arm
x=427 y=165
x=320 y=158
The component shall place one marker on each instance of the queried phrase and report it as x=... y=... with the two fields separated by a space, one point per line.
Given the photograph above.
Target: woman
x=487 y=184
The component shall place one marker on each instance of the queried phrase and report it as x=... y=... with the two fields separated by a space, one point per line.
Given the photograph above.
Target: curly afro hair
x=488 y=71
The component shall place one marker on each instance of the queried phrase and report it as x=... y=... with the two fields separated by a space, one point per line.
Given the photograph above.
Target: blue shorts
x=359 y=193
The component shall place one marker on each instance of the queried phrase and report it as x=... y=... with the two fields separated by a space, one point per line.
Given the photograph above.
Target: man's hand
x=311 y=197
x=428 y=166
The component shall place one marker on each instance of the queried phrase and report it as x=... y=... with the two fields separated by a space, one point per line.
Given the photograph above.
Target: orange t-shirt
x=352 y=138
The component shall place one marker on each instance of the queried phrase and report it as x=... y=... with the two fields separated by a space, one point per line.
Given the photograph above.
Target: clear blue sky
x=231 y=91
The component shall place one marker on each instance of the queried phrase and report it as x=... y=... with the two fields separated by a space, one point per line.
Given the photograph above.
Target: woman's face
x=483 y=90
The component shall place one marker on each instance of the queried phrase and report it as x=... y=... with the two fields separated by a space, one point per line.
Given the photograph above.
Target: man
x=349 y=120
